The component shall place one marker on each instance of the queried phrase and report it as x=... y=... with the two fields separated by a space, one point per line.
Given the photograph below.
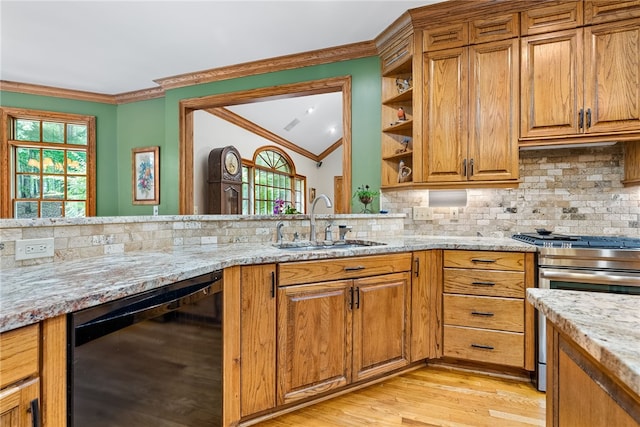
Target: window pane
x=51 y=210
x=75 y=209
x=26 y=209
x=28 y=187
x=77 y=188
x=52 y=132
x=77 y=162
x=52 y=161
x=76 y=134
x=27 y=130
x=28 y=159
x=53 y=187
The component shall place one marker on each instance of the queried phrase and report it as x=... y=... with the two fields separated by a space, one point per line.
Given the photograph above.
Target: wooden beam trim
x=330 y=149
x=240 y=121
x=55 y=92
x=140 y=95
x=286 y=62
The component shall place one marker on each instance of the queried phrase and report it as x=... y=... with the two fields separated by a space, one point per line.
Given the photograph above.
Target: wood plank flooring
x=430 y=396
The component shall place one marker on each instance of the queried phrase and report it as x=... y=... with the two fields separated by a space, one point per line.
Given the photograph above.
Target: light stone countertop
x=605 y=325
x=34 y=293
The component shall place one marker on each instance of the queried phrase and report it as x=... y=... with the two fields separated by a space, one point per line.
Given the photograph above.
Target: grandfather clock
x=225 y=181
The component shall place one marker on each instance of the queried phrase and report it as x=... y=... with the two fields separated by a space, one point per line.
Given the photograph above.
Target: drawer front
x=295 y=273
x=508 y=284
x=503 y=314
x=445 y=37
x=484 y=260
x=19 y=354
x=496 y=28
x=502 y=348
x=558 y=17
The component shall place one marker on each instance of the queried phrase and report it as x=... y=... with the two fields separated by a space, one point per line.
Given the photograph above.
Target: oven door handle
x=143 y=310
x=591 y=277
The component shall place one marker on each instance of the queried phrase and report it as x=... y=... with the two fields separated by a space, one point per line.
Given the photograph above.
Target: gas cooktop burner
x=565 y=241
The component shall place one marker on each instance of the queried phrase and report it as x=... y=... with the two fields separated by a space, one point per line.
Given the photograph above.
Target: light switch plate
x=454 y=213
x=422 y=213
x=34 y=248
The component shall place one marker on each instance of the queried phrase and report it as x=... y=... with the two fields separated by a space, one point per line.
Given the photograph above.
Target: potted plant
x=365 y=194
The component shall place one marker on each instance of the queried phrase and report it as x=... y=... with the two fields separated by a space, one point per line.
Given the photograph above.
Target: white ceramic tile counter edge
x=34 y=293
x=606 y=326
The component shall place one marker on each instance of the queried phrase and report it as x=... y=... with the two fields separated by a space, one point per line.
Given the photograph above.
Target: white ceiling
x=114 y=47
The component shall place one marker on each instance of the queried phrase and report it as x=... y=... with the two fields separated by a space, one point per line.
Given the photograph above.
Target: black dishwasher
x=152 y=359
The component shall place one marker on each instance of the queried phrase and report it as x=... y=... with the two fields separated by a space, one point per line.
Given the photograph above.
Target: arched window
x=271 y=184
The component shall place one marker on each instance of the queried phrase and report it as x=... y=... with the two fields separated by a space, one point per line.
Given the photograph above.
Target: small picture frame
x=146 y=175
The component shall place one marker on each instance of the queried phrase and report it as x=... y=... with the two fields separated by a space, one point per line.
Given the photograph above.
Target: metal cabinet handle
x=355 y=268
x=580 y=119
x=351 y=298
x=34 y=408
x=273 y=284
x=464 y=167
x=483 y=347
x=485 y=261
x=482 y=313
x=417 y=267
x=357 y=297
x=588 y=118
x=471 y=167
x=483 y=283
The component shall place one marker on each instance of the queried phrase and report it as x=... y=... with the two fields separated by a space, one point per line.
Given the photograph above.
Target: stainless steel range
x=583 y=263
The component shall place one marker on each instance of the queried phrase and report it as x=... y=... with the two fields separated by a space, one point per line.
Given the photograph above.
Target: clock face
x=231 y=163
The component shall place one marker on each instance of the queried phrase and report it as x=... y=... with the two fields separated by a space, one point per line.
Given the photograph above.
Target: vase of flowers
x=365 y=195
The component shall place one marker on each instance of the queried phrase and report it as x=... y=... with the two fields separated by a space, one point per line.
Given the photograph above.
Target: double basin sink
x=326 y=245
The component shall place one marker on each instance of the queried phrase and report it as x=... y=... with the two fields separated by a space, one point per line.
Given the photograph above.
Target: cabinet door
x=257 y=339
x=493 y=111
x=15 y=404
x=314 y=339
x=552 y=84
x=612 y=77
x=445 y=115
x=380 y=324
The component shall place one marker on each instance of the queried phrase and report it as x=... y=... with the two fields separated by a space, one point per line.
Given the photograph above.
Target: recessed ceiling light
x=332 y=130
x=310 y=110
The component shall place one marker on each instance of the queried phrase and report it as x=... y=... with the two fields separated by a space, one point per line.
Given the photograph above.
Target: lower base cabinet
x=334 y=333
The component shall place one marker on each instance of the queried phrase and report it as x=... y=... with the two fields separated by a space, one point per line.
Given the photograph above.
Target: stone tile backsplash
x=567 y=190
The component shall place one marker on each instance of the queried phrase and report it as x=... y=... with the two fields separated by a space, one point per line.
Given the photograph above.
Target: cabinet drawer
x=504 y=314
x=484 y=282
x=599 y=11
x=484 y=260
x=502 y=348
x=19 y=354
x=558 y=17
x=496 y=28
x=294 y=273
x=445 y=37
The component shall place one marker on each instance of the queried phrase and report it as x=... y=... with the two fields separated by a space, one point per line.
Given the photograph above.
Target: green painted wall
x=106 y=140
x=155 y=122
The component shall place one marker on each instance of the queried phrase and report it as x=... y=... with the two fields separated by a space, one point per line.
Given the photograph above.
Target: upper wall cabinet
x=581 y=83
x=470 y=103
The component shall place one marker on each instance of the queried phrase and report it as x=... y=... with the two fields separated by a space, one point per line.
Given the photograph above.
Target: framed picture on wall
x=146 y=175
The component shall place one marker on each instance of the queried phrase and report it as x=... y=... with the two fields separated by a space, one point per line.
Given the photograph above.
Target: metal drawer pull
x=483 y=347
x=486 y=261
x=356 y=268
x=483 y=283
x=482 y=313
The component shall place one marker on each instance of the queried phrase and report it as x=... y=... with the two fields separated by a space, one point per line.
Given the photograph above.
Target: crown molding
x=287 y=62
x=56 y=92
x=139 y=95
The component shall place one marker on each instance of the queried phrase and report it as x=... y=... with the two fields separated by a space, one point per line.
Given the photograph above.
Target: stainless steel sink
x=310 y=246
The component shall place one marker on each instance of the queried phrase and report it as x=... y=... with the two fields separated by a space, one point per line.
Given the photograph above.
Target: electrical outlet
x=155 y=210
x=454 y=213
x=195 y=209
x=34 y=248
x=422 y=213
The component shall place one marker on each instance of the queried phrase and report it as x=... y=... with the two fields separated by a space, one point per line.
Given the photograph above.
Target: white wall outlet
x=422 y=213
x=34 y=248
x=155 y=210
x=454 y=213
x=195 y=209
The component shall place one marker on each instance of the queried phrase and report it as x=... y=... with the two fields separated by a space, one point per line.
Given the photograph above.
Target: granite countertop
x=34 y=293
x=605 y=325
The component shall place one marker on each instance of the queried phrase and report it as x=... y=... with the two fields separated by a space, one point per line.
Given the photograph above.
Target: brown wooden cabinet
x=582 y=392
x=426 y=305
x=581 y=84
x=19 y=376
x=470 y=108
x=257 y=338
x=484 y=314
x=339 y=331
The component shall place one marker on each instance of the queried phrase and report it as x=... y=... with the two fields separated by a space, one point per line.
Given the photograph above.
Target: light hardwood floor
x=429 y=396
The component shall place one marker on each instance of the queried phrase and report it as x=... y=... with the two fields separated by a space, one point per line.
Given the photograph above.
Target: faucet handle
x=344 y=229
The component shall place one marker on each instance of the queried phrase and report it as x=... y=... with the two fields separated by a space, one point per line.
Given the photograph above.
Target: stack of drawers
x=484 y=308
